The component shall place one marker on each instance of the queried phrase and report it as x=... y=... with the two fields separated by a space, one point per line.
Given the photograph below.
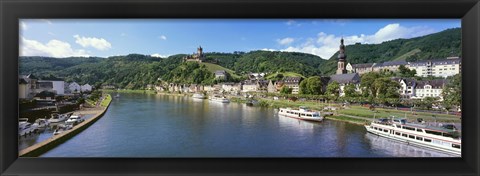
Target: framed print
x=221 y=87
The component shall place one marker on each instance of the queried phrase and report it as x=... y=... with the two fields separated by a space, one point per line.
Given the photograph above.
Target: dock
x=44 y=146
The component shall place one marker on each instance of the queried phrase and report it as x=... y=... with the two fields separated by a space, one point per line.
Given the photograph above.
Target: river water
x=140 y=125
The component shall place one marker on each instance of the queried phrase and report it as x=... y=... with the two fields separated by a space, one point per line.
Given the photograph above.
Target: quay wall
x=44 y=146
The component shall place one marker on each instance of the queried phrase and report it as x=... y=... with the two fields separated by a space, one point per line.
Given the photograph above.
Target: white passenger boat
x=74 y=120
x=301 y=113
x=199 y=96
x=438 y=138
x=56 y=118
x=41 y=124
x=25 y=128
x=221 y=99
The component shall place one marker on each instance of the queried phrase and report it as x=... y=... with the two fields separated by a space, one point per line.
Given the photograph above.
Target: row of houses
x=251 y=85
x=436 y=67
x=409 y=88
x=30 y=86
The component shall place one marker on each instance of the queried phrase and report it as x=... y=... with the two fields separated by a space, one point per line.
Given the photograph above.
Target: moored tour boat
x=56 y=118
x=199 y=96
x=41 y=124
x=221 y=99
x=301 y=113
x=438 y=138
x=25 y=128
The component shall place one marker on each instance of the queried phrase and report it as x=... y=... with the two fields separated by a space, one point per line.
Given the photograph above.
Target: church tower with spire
x=342 y=59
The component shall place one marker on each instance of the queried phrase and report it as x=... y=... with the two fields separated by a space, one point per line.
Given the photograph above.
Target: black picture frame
x=12 y=10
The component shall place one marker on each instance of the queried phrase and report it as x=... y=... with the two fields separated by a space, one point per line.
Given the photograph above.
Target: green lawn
x=347 y=119
x=363 y=111
x=214 y=67
x=381 y=113
x=106 y=101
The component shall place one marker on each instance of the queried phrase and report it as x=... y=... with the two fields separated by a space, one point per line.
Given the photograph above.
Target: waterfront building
x=27 y=85
x=272 y=87
x=249 y=86
x=345 y=79
x=86 y=88
x=438 y=68
x=342 y=59
x=407 y=87
x=360 y=68
x=220 y=74
x=57 y=87
x=293 y=83
x=390 y=66
x=231 y=87
x=196 y=57
x=74 y=87
x=430 y=88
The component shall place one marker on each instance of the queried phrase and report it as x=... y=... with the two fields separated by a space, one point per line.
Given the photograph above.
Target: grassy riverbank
x=106 y=101
x=129 y=91
x=359 y=114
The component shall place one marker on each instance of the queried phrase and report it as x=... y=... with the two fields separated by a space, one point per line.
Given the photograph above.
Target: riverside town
x=251 y=88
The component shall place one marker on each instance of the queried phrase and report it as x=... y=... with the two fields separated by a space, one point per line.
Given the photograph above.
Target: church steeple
x=342 y=59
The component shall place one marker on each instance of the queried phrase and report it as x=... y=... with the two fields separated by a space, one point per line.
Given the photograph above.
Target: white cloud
x=292 y=23
x=53 y=48
x=97 y=43
x=268 y=49
x=23 y=26
x=162 y=37
x=159 y=55
x=285 y=41
x=325 y=45
x=47 y=21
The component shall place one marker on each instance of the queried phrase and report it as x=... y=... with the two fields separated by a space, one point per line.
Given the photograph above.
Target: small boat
x=302 y=113
x=56 y=118
x=25 y=128
x=74 y=119
x=199 y=96
x=437 y=138
x=117 y=96
x=41 y=124
x=58 y=131
x=221 y=99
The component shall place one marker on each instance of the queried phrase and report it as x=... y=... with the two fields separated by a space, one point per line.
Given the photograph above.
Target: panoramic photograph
x=253 y=88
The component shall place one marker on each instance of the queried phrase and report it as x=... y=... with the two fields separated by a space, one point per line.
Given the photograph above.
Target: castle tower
x=342 y=59
x=200 y=51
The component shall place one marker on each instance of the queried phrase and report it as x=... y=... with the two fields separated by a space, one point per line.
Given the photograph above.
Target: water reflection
x=139 y=125
x=401 y=149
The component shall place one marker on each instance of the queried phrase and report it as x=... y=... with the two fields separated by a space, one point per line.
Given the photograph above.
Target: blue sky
x=107 y=37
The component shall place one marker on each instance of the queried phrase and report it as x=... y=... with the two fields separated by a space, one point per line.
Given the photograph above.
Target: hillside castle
x=195 y=57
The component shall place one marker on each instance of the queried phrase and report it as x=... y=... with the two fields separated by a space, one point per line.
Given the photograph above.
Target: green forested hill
x=134 y=71
x=268 y=61
x=434 y=46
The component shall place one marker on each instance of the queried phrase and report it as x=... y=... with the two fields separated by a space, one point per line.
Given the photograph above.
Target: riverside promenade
x=44 y=146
